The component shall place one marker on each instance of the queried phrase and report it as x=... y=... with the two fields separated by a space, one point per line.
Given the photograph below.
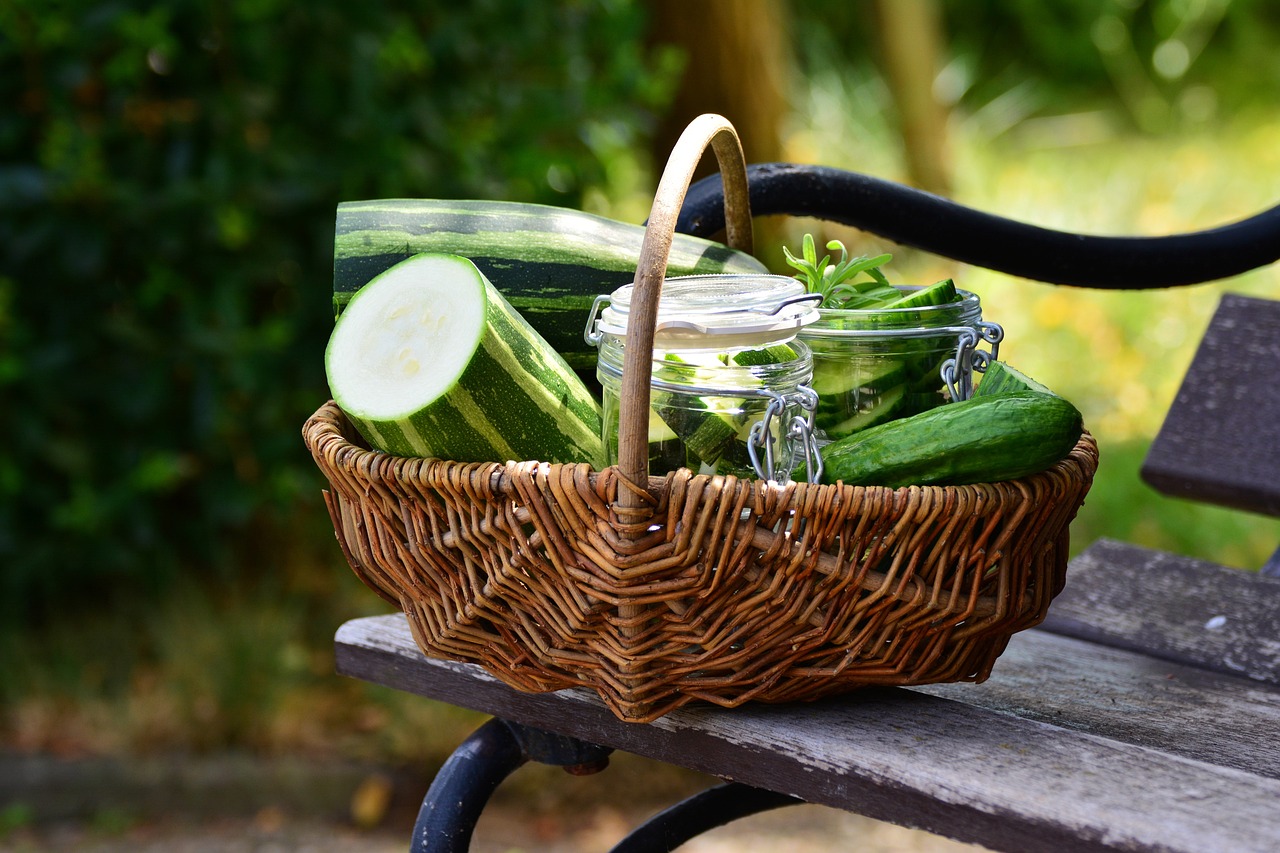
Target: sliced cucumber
x=776 y=354
x=924 y=372
x=939 y=293
x=712 y=436
x=915 y=402
x=659 y=430
x=834 y=377
x=1002 y=377
x=855 y=394
x=885 y=407
x=697 y=359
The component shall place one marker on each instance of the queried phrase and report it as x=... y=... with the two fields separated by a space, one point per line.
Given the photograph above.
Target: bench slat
x=1133 y=699
x=1218 y=443
x=1212 y=616
x=1017 y=774
x=1271 y=568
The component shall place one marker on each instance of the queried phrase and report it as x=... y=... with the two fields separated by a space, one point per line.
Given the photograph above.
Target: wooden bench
x=1144 y=714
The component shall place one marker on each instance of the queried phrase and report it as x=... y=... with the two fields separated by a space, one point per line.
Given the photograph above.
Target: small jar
x=871 y=366
x=729 y=389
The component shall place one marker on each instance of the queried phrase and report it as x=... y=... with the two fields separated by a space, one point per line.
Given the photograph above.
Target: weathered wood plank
x=1001 y=776
x=1219 y=441
x=1172 y=607
x=1133 y=699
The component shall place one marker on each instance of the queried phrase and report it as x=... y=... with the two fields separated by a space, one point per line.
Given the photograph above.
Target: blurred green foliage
x=168 y=179
x=1168 y=64
x=1160 y=64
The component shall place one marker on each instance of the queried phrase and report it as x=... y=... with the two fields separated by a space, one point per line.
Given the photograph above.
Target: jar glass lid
x=720 y=311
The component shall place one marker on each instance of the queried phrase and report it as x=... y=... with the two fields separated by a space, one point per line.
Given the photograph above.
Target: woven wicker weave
x=690 y=587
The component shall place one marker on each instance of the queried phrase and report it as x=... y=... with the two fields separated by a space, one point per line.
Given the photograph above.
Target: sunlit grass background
x=251 y=668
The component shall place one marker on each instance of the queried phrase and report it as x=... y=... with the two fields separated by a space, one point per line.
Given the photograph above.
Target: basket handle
x=637 y=366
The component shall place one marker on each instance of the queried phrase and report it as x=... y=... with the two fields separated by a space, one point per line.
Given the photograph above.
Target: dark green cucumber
x=1001 y=377
x=548 y=262
x=981 y=440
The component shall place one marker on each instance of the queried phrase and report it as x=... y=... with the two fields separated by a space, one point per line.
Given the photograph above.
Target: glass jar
x=871 y=366
x=729 y=389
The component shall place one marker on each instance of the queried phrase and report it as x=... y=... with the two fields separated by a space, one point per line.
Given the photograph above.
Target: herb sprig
x=836 y=281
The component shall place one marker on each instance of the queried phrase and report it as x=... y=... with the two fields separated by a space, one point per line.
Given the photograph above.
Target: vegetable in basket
x=878 y=349
x=1000 y=377
x=549 y=262
x=429 y=359
x=1014 y=430
x=710 y=434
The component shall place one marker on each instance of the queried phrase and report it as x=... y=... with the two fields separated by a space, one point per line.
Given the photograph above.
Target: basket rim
x=325 y=428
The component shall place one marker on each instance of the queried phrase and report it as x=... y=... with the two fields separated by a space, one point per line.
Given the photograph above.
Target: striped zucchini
x=428 y=359
x=980 y=440
x=549 y=262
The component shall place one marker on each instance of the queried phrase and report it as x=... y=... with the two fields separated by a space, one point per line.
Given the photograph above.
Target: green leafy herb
x=836 y=282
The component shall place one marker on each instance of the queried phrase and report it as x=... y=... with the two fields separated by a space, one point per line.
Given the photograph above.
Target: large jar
x=872 y=366
x=729 y=392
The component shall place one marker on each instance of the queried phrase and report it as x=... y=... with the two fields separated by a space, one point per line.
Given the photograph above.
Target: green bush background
x=168 y=179
x=167 y=190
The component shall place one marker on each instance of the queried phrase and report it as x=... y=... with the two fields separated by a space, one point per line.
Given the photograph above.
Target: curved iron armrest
x=936 y=225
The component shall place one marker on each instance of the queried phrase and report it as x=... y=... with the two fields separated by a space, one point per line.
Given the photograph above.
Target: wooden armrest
x=1220 y=442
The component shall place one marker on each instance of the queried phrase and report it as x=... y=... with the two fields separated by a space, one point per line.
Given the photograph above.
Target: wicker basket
x=658 y=591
